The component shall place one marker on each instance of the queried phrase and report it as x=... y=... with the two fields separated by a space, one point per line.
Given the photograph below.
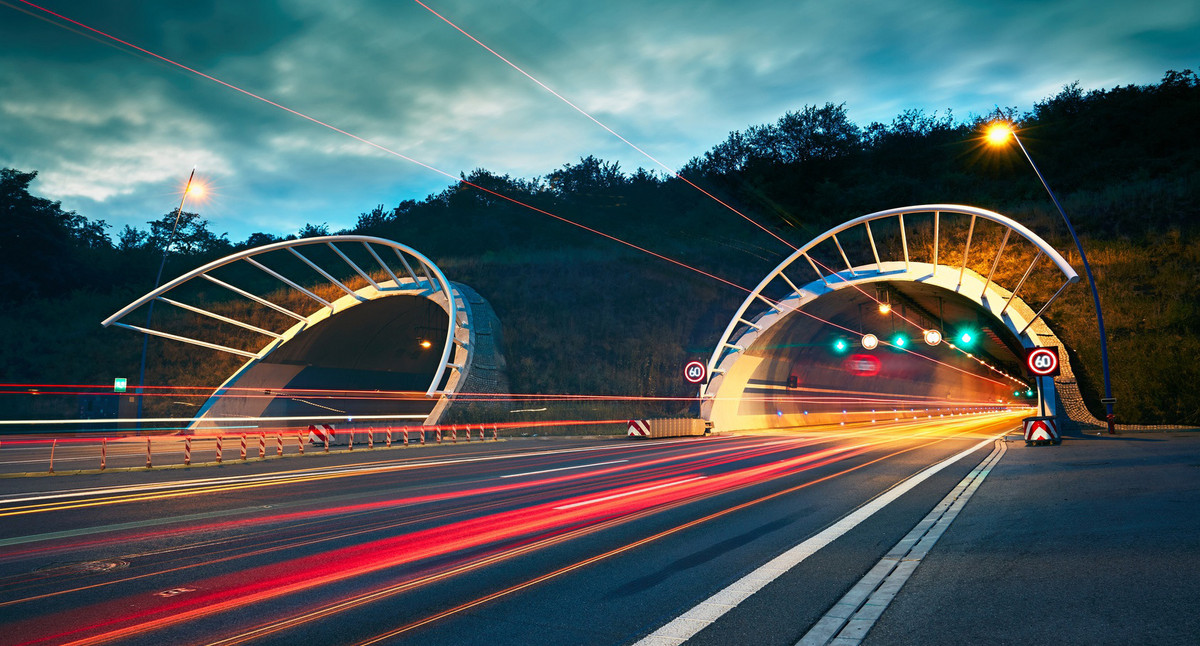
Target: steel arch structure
x=758 y=313
x=398 y=270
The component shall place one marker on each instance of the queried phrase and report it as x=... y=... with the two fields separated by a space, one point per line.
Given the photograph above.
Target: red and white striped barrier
x=220 y=438
x=1041 y=430
x=103 y=452
x=300 y=442
x=243 y=454
x=262 y=446
x=320 y=433
x=639 y=428
x=148 y=465
x=279 y=444
x=187 y=450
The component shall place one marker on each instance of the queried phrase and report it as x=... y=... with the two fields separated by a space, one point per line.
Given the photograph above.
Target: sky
x=113 y=133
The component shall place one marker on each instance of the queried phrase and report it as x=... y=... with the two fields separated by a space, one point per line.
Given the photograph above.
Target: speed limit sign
x=695 y=372
x=1042 y=362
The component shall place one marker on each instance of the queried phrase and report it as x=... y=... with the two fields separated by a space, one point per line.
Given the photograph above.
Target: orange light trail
x=228 y=592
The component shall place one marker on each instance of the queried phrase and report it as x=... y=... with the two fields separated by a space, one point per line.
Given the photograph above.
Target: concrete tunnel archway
x=779 y=362
x=393 y=342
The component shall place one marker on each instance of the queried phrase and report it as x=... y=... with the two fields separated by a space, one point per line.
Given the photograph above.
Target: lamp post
x=998 y=134
x=191 y=187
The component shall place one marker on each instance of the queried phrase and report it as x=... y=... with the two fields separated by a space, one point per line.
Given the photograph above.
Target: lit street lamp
x=191 y=188
x=998 y=135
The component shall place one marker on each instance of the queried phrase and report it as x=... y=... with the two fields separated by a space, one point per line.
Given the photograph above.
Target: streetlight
x=998 y=134
x=191 y=188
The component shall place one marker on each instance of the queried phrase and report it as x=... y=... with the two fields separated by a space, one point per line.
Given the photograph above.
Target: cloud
x=113 y=133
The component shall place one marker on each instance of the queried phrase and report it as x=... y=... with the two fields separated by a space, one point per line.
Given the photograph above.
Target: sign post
x=1041 y=363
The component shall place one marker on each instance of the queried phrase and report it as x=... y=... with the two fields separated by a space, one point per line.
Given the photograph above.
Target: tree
x=190 y=236
x=314 y=230
x=42 y=244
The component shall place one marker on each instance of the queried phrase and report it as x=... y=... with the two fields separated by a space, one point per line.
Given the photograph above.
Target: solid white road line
x=580 y=466
x=849 y=620
x=708 y=611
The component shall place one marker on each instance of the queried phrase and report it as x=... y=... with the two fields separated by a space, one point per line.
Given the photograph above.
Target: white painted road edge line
x=579 y=466
x=852 y=617
x=708 y=611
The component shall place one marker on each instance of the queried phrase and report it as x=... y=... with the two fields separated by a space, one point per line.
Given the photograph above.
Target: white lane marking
x=852 y=617
x=708 y=611
x=628 y=493
x=581 y=466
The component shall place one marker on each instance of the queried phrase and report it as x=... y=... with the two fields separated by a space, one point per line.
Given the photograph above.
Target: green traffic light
x=966 y=337
x=1029 y=393
x=899 y=341
x=840 y=345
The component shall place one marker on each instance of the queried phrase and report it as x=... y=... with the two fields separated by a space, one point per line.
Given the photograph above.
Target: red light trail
x=560 y=511
x=605 y=127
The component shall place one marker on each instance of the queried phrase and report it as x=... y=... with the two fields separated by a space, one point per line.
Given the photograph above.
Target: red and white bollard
x=279 y=444
x=351 y=440
x=454 y=434
x=370 y=438
x=439 y=434
x=422 y=436
x=148 y=465
x=187 y=450
x=388 y=436
x=262 y=446
x=327 y=443
x=243 y=446
x=300 y=442
x=495 y=434
x=220 y=438
x=468 y=432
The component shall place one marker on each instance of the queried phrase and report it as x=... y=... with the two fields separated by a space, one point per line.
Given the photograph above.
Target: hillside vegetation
x=583 y=314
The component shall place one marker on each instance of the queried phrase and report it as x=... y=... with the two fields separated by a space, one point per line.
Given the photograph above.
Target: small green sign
x=119 y=385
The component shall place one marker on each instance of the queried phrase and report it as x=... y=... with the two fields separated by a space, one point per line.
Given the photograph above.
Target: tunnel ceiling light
x=966 y=337
x=870 y=341
x=426 y=343
x=885 y=308
x=933 y=337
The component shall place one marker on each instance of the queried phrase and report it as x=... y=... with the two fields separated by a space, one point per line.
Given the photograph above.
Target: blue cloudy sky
x=114 y=133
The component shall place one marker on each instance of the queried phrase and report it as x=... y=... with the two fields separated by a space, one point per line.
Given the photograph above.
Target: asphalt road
x=581 y=541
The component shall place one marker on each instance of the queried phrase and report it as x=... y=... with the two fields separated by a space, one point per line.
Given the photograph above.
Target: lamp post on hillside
x=191 y=188
x=998 y=134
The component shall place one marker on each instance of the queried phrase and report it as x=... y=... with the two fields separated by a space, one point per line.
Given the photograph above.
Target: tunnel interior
x=802 y=370
x=354 y=363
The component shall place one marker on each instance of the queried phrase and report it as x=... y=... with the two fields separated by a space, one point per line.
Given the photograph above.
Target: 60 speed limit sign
x=695 y=372
x=1042 y=362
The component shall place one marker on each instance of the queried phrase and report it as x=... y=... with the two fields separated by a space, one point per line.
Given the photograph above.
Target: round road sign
x=1042 y=362
x=695 y=372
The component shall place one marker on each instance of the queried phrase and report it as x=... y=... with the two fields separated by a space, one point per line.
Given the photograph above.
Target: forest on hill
x=584 y=314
